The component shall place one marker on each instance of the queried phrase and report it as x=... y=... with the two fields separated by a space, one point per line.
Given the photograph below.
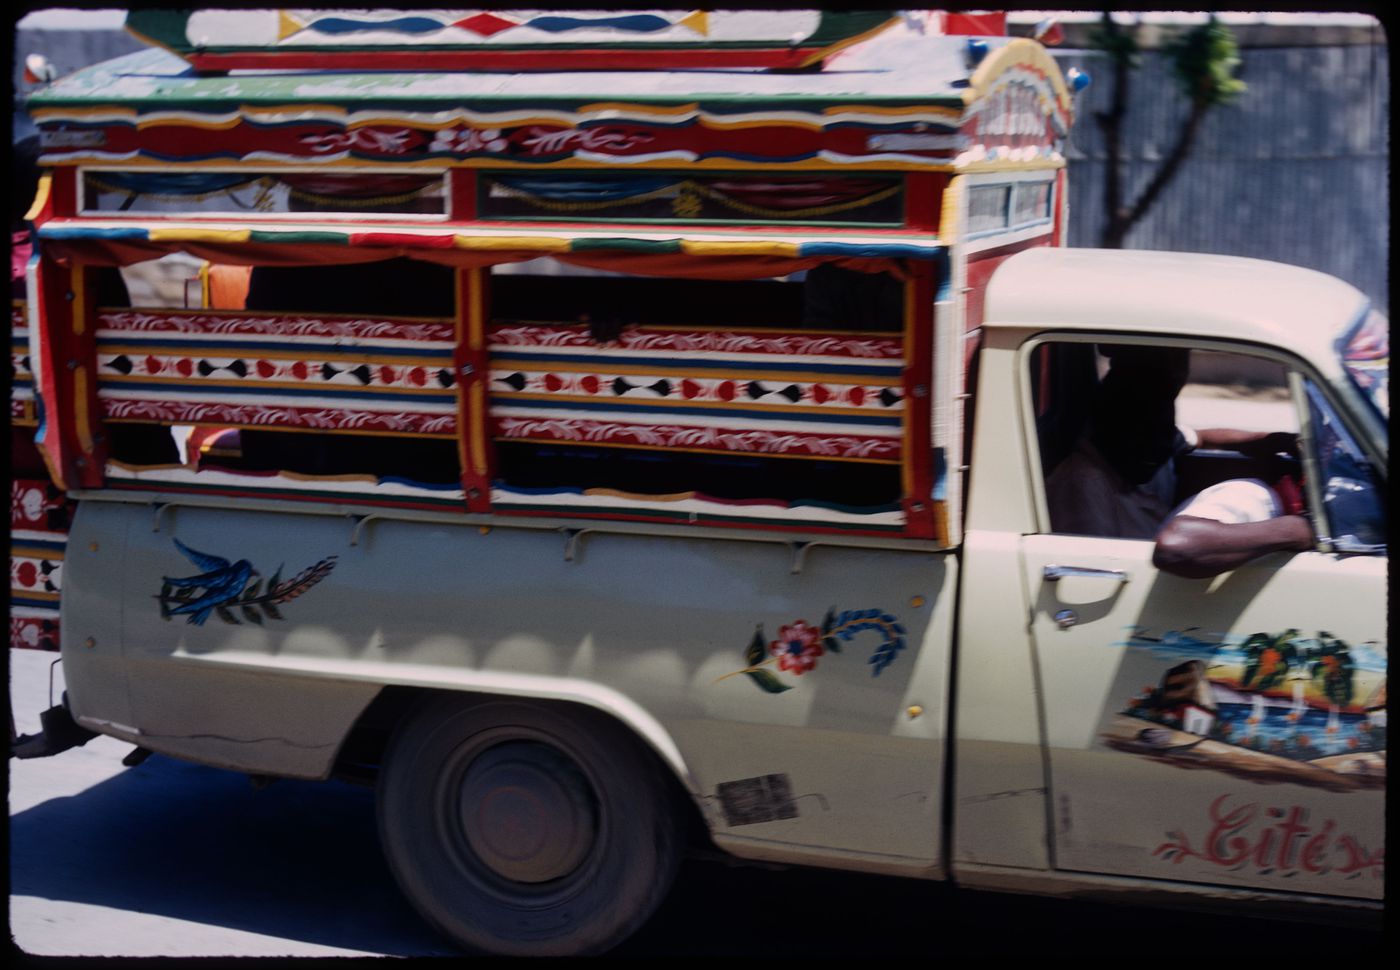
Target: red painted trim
x=518 y=145
x=985 y=23
x=89 y=419
x=852 y=346
x=34 y=633
x=507 y=60
x=980 y=268
x=979 y=271
x=63 y=197
x=923 y=200
x=1061 y=208
x=473 y=381
x=405 y=239
x=462 y=186
x=918 y=416
x=1001 y=252
x=234 y=324
x=66 y=361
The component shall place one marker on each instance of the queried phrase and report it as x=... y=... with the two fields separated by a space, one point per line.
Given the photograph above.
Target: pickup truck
x=674 y=528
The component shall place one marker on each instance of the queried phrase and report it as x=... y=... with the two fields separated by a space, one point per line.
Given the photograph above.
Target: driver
x=1120 y=480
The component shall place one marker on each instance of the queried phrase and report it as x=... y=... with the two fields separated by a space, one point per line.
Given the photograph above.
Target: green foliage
x=766 y=680
x=758 y=646
x=1204 y=60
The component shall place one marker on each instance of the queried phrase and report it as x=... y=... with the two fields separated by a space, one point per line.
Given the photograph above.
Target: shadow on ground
x=301 y=861
x=297 y=860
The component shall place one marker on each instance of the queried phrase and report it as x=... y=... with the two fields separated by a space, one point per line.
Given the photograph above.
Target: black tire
x=526 y=829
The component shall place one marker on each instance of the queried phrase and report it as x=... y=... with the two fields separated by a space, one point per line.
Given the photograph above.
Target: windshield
x=1365 y=354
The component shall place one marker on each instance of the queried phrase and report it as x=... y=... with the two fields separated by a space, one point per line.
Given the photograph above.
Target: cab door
x=1229 y=730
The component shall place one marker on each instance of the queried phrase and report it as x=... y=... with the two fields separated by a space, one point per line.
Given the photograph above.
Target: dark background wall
x=1296 y=171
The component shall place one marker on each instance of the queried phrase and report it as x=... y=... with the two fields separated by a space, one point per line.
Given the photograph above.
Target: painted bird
x=222 y=582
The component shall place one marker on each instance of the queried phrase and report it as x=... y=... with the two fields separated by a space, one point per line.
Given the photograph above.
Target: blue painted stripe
x=91 y=232
x=869 y=249
x=637 y=23
x=37 y=548
x=667 y=366
x=404 y=25
x=660 y=412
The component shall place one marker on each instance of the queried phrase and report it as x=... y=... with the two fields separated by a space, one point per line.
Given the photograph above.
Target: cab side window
x=1128 y=433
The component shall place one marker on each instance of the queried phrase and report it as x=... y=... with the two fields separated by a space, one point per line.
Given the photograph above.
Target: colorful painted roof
x=898 y=66
x=548 y=40
x=902 y=99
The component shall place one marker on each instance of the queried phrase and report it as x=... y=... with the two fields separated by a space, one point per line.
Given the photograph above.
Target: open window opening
x=785 y=390
x=333 y=377
x=827 y=297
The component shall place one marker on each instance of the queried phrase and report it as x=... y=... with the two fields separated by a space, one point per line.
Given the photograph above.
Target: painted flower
x=463 y=141
x=32 y=504
x=797 y=648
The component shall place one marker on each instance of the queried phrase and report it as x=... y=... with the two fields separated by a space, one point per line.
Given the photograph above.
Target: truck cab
x=1184 y=737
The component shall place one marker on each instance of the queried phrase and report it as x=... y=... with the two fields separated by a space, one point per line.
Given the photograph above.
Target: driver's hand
x=1274 y=443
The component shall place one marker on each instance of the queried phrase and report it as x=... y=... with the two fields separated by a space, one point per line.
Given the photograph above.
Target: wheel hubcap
x=527 y=812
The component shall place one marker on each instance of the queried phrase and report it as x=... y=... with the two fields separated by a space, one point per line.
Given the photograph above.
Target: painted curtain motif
x=1271 y=707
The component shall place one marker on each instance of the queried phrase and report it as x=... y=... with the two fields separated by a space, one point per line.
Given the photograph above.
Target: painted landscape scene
x=1269 y=707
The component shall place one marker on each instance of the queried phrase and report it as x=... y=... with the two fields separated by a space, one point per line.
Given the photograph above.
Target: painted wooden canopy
x=550 y=40
x=897 y=153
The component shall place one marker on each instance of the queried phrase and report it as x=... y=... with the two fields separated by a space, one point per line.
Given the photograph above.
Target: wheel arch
x=364 y=743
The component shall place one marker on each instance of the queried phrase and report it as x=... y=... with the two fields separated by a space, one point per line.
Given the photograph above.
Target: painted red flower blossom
x=797 y=648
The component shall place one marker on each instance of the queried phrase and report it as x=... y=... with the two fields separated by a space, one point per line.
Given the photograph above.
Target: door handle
x=1053 y=573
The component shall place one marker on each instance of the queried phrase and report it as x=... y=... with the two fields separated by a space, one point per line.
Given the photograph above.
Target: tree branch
x=1171 y=165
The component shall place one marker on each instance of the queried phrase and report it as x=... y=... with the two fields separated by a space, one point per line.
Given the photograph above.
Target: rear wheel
x=524 y=828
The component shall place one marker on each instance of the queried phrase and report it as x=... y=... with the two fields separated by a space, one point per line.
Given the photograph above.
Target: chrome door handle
x=1054 y=572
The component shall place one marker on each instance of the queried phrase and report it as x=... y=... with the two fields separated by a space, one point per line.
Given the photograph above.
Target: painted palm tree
x=1333 y=665
x=1268 y=659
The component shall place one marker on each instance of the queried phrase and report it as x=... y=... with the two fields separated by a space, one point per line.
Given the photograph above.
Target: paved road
x=171 y=859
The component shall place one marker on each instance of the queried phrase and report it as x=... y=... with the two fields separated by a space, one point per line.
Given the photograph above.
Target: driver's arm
x=1256 y=443
x=1198 y=548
